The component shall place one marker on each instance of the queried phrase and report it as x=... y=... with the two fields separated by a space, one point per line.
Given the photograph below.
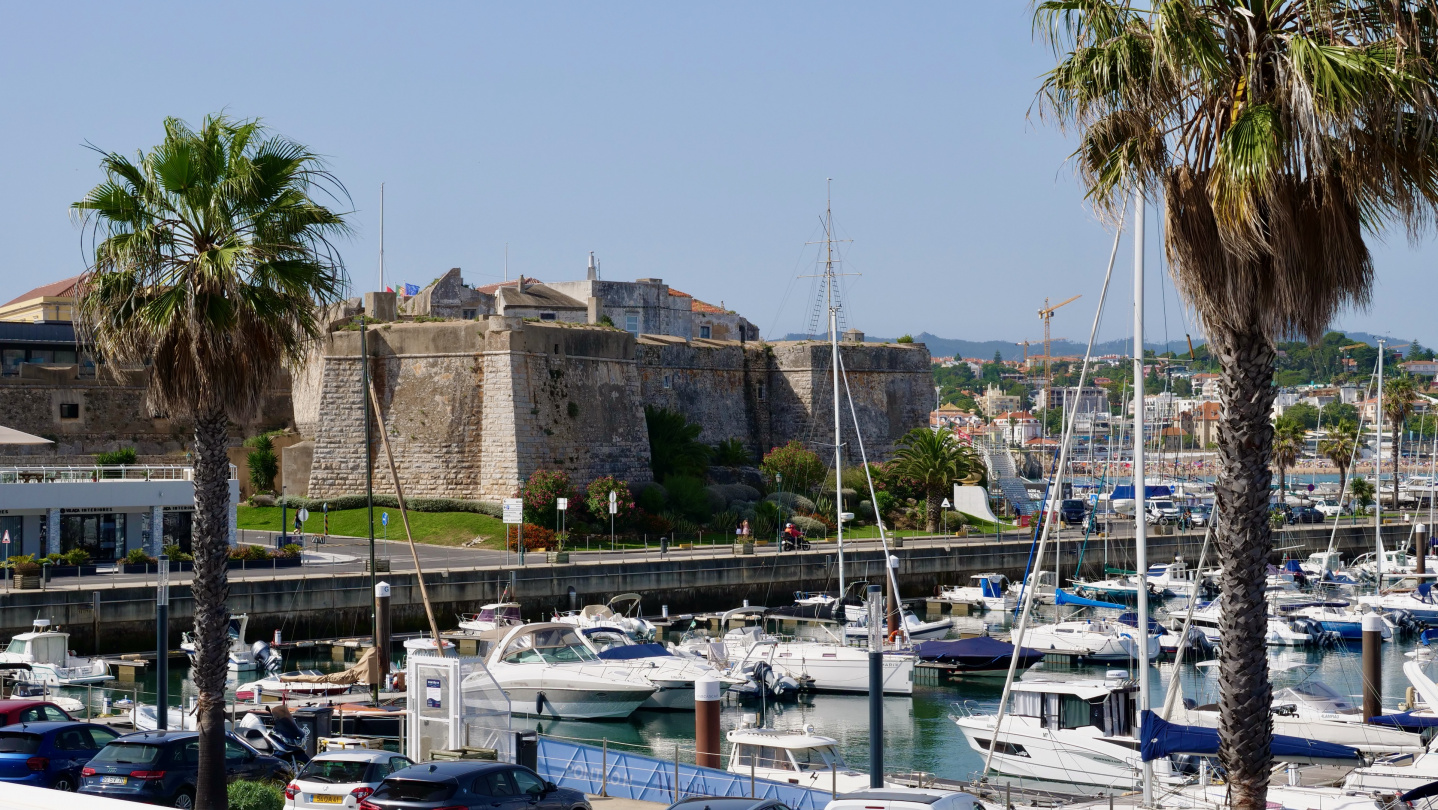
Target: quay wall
x=310 y=605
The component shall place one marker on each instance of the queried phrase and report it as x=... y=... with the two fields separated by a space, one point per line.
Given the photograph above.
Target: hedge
x=491 y=508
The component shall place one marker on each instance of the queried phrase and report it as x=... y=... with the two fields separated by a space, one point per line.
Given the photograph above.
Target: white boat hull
x=840 y=669
x=564 y=703
x=1083 y=759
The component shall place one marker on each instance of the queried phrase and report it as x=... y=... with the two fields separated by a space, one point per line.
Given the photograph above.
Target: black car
x=487 y=785
x=160 y=767
x=1071 y=511
x=1304 y=514
x=727 y=803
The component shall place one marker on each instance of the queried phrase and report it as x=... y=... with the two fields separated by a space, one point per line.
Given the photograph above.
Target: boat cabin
x=991 y=586
x=40 y=646
x=1109 y=706
x=497 y=614
x=547 y=643
x=780 y=750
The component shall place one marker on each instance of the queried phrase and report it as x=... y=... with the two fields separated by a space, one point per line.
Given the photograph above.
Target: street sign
x=562 y=504
x=384 y=518
x=1310 y=487
x=6 y=541
x=613 y=503
x=304 y=514
x=514 y=510
x=946 y=503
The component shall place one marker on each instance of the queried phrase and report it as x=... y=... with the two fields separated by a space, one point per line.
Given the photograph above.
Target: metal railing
x=94 y=472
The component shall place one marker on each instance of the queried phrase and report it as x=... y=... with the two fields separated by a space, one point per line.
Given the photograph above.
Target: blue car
x=50 y=754
x=162 y=767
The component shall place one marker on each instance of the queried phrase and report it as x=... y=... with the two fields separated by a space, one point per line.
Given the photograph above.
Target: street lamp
x=162 y=643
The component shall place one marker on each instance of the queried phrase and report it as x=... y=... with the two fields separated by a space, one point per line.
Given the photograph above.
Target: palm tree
x=1288 y=441
x=1338 y=448
x=935 y=459
x=1399 y=398
x=211 y=256
x=674 y=446
x=1274 y=132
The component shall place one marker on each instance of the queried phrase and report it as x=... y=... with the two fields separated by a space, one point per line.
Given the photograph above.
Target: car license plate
x=320 y=798
x=112 y=780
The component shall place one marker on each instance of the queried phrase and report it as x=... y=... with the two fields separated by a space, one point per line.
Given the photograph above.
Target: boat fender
x=539 y=701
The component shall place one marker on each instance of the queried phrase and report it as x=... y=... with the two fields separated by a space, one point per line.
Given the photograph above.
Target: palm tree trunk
x=1245 y=447
x=211 y=589
x=934 y=502
x=1282 y=484
x=1397 y=454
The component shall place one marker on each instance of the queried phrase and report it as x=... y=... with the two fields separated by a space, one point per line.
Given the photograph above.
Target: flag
x=411 y=289
x=389 y=289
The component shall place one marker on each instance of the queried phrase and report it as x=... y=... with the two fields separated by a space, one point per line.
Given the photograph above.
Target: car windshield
x=126 y=753
x=414 y=790
x=18 y=742
x=335 y=771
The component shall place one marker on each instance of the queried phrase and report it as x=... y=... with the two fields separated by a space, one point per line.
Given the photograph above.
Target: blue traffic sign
x=384 y=518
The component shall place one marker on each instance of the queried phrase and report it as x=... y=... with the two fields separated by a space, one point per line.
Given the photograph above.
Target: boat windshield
x=548 y=645
x=818 y=758
x=604 y=639
x=18 y=646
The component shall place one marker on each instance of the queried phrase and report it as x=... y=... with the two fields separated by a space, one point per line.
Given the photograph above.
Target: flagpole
x=381 y=238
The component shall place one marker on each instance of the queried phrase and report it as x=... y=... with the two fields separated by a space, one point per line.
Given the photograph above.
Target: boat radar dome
x=1116 y=675
x=749 y=720
x=41 y=624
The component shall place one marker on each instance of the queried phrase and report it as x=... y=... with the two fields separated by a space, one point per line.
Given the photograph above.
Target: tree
x=935 y=459
x=1302 y=414
x=1399 y=398
x=1363 y=491
x=263 y=463
x=1338 y=447
x=211 y=257
x=799 y=467
x=1288 y=440
x=674 y=446
x=1274 y=133
x=1335 y=413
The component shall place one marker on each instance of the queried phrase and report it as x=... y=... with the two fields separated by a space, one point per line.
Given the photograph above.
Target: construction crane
x=1027 y=357
x=1046 y=314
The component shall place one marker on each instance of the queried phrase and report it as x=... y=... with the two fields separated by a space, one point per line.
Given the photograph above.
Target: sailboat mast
x=381 y=238
x=1140 y=521
x=834 y=348
x=1378 y=475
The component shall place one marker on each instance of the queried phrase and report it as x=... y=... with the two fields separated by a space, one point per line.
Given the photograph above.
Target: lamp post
x=162 y=643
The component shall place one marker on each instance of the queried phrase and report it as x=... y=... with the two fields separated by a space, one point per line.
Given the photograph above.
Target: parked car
x=1071 y=511
x=30 y=711
x=1162 y=512
x=50 y=754
x=327 y=779
x=1304 y=514
x=1201 y=514
x=471 y=785
x=727 y=803
x=160 y=767
x=904 y=799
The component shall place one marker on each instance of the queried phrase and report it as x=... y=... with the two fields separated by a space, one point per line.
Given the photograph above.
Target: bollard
x=382 y=627
x=1420 y=547
x=604 y=770
x=706 y=721
x=1372 y=666
x=876 y=688
x=664 y=611
x=894 y=606
x=278 y=636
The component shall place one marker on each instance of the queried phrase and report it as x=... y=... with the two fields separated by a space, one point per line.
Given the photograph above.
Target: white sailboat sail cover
x=455 y=703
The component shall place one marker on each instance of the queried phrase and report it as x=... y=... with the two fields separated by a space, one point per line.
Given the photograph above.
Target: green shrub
x=724 y=522
x=905 y=339
x=955 y=519
x=55 y=558
x=732 y=453
x=718 y=500
x=176 y=554
x=688 y=497
x=76 y=556
x=738 y=492
x=809 y=526
x=866 y=510
x=653 y=498
x=291 y=550
x=137 y=556
x=791 y=502
x=264 y=463
x=799 y=466
x=541 y=494
x=255 y=796
x=115 y=458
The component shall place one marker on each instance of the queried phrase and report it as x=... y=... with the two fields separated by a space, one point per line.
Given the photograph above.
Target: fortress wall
x=708 y=383
x=574 y=401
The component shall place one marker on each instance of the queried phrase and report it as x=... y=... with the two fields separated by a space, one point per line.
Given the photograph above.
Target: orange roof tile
x=58 y=289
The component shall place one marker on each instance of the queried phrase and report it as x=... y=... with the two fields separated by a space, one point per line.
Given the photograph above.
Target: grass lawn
x=437 y=528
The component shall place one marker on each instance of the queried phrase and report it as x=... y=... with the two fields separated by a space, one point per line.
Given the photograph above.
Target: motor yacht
x=984 y=591
x=547 y=670
x=671 y=675
x=491 y=616
x=1097 y=640
x=914 y=628
x=801 y=758
x=1287 y=631
x=1419 y=602
x=825 y=666
x=1046 y=582
x=622 y=612
x=303 y=683
x=242 y=657
x=51 y=662
x=1174 y=579
x=1339 y=618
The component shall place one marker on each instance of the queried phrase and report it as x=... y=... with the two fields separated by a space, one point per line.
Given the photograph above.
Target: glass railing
x=94 y=473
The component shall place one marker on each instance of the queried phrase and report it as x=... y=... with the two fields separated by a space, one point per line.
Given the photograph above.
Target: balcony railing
x=93 y=473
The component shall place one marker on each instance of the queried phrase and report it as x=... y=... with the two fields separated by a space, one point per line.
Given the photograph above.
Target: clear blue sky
x=681 y=141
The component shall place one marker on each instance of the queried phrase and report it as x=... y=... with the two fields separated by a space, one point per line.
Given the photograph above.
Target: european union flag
x=411 y=289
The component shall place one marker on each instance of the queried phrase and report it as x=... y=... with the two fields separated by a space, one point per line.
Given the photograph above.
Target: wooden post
x=706 y=721
x=1372 y=666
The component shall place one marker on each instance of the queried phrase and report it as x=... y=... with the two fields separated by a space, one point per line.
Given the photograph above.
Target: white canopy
x=13 y=436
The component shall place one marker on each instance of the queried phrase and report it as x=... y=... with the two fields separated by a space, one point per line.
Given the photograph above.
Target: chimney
x=521 y=282
x=593 y=268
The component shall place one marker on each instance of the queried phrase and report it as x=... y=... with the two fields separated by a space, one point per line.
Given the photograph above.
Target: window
x=235 y=752
x=668 y=381
x=526 y=782
x=761 y=391
x=494 y=783
x=399 y=763
x=123 y=753
x=631 y=322
x=72 y=739
x=19 y=742
x=1008 y=749
x=546 y=316
x=705 y=331
x=40 y=714
x=69 y=410
x=101 y=736
x=467 y=314
x=414 y=790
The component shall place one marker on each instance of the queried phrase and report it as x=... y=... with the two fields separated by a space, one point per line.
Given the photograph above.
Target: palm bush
x=1275 y=133
x=1400 y=396
x=211 y=257
x=1338 y=447
x=674 y=446
x=1288 y=441
x=263 y=463
x=936 y=460
x=732 y=453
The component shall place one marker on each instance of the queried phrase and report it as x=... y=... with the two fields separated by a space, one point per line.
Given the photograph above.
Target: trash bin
x=526 y=749
x=315 y=722
x=663 y=545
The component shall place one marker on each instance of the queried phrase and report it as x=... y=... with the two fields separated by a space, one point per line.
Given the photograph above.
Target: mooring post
x=876 y=686
x=1372 y=666
x=706 y=721
x=162 y=646
x=383 y=632
x=1420 y=547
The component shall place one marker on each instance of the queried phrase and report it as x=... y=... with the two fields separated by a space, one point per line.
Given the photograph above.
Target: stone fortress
x=480 y=387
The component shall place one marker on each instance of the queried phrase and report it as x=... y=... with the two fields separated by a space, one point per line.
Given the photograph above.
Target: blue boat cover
x=1161 y=738
x=1125 y=492
x=1063 y=597
x=980 y=652
x=632 y=651
x=1131 y=619
x=1407 y=721
x=992 y=589
x=1292 y=566
x=1428 y=636
x=1424 y=792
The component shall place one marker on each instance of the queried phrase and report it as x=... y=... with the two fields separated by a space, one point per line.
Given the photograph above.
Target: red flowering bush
x=541 y=494
x=597 y=500
x=536 y=538
x=800 y=467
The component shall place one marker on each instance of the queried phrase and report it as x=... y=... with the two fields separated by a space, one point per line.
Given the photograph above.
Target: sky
x=693 y=143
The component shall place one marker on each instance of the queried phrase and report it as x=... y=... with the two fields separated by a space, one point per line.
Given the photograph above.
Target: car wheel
x=184 y=800
x=64 y=783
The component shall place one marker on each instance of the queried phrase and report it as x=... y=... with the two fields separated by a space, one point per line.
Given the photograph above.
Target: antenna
x=381 y=238
x=506 y=262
